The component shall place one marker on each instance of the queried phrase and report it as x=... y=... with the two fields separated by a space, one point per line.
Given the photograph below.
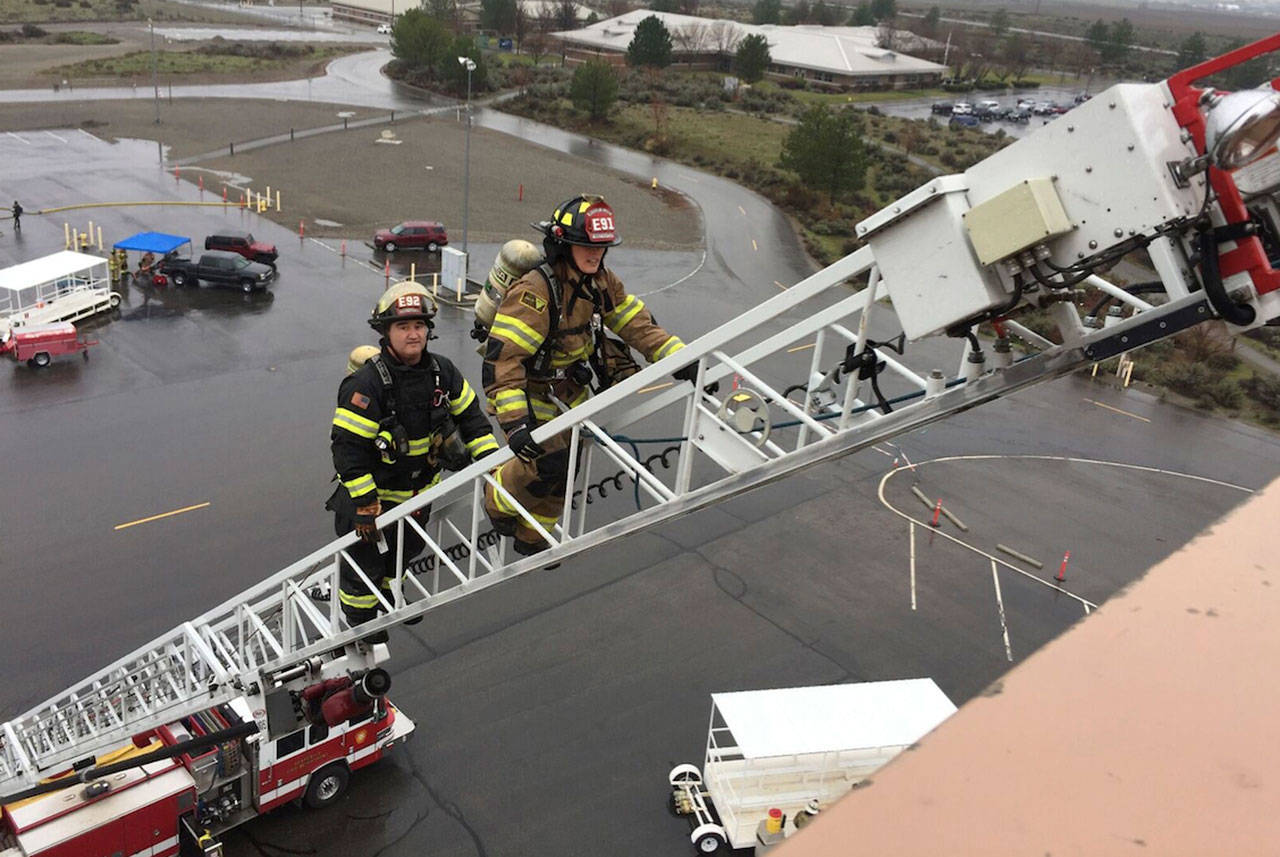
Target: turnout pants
x=538 y=486
x=359 y=604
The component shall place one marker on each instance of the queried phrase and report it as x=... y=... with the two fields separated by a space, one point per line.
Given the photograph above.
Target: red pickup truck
x=39 y=343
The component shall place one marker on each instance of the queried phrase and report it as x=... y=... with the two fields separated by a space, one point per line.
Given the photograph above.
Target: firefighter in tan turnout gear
x=396 y=410
x=549 y=339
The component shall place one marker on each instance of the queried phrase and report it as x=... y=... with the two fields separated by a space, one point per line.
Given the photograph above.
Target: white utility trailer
x=64 y=286
x=780 y=749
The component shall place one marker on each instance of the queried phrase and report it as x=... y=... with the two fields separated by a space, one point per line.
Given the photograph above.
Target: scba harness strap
x=391 y=425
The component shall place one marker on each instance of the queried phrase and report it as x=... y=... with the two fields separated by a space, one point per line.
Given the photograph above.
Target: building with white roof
x=835 y=57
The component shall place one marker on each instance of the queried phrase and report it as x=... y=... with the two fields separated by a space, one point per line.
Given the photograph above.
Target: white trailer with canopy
x=780 y=749
x=63 y=286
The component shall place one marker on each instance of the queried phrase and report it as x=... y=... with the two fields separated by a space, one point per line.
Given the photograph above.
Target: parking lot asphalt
x=550 y=708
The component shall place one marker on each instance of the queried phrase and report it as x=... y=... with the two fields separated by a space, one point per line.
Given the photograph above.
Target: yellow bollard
x=268 y=193
x=413 y=271
x=66 y=235
x=277 y=200
x=654 y=184
x=90 y=233
x=99 y=239
x=435 y=285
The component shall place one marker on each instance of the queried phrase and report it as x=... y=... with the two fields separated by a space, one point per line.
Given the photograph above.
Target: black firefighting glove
x=523 y=444
x=690 y=373
x=365 y=516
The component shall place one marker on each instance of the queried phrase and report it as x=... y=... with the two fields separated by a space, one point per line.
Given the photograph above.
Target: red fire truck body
x=178 y=806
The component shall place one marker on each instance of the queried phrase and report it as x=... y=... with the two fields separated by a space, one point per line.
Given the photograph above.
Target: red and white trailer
x=176 y=789
x=40 y=343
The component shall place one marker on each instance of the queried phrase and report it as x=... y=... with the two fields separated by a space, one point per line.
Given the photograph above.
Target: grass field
x=181 y=63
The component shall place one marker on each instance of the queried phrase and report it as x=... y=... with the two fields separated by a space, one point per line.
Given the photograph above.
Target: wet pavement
x=550 y=708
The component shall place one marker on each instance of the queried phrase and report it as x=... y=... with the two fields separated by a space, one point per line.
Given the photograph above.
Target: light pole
x=470 y=65
x=155 y=72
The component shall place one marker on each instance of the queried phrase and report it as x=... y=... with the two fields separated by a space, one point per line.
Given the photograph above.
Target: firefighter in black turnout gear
x=393 y=418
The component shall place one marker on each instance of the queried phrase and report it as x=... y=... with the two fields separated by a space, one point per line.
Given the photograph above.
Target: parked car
x=1016 y=114
x=941 y=108
x=411 y=234
x=1044 y=108
x=235 y=241
x=961 y=108
x=1082 y=97
x=986 y=114
x=989 y=106
x=967 y=120
x=1026 y=104
x=384 y=29
x=219 y=267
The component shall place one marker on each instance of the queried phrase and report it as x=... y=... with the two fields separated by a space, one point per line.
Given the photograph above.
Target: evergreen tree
x=498 y=15
x=1000 y=21
x=931 y=19
x=825 y=151
x=594 y=88
x=1097 y=35
x=420 y=40
x=752 y=58
x=651 y=45
x=1192 y=51
x=862 y=15
x=883 y=9
x=767 y=12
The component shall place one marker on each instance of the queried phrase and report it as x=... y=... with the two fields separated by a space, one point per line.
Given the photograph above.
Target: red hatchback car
x=412 y=233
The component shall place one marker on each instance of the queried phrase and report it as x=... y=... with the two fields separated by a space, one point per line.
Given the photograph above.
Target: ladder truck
x=271 y=696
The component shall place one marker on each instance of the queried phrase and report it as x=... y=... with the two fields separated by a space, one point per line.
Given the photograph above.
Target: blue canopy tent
x=153 y=242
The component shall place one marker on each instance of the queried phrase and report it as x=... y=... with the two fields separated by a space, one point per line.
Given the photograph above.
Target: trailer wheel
x=114 y=300
x=685 y=774
x=709 y=842
x=326 y=786
x=41 y=359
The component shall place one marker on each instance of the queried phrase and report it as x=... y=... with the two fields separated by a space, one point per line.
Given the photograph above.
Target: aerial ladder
x=1186 y=173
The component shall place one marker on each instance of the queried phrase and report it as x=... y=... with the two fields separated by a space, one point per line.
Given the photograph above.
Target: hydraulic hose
x=1238 y=314
x=90 y=773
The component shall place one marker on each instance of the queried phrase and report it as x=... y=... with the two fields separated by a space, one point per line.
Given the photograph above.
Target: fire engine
x=271 y=695
x=175 y=788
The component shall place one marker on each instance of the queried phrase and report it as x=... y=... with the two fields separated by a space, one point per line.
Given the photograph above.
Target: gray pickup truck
x=219 y=267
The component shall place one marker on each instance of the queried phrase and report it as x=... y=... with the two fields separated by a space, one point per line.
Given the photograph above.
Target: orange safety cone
x=1062 y=569
x=224 y=194
x=386 y=270
x=301 y=229
x=199 y=181
x=175 y=174
x=937 y=510
x=520 y=193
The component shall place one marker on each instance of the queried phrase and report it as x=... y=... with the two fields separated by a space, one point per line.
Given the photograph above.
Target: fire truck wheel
x=327 y=785
x=41 y=359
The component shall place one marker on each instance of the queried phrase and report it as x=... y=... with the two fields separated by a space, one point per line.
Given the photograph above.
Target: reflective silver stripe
x=354 y=423
x=464 y=400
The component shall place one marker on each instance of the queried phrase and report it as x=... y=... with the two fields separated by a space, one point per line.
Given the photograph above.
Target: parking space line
x=19 y=139
x=1117 y=410
x=55 y=136
x=1004 y=627
x=161 y=515
x=911 y=537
